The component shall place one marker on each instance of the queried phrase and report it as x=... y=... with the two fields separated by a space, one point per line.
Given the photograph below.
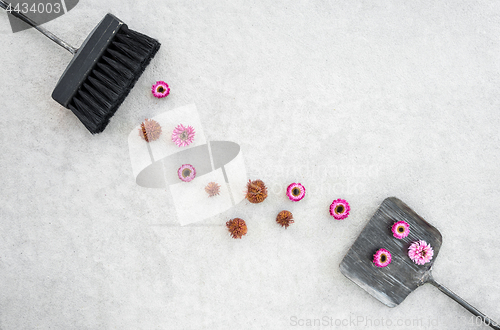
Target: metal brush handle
x=486 y=320
x=47 y=33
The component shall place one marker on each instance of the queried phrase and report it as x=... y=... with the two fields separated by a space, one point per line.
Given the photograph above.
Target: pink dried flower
x=186 y=172
x=183 y=136
x=400 y=229
x=160 y=89
x=295 y=192
x=420 y=252
x=382 y=258
x=339 y=209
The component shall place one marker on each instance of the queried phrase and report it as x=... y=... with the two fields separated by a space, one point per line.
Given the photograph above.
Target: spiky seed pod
x=212 y=189
x=150 y=130
x=285 y=218
x=256 y=191
x=237 y=227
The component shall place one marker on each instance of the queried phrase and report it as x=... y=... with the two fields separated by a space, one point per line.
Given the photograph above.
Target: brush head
x=103 y=71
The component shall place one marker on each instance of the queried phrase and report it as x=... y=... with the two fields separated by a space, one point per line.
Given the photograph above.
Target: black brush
x=103 y=70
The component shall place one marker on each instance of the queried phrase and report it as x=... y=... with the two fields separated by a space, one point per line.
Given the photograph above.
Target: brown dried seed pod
x=285 y=218
x=237 y=227
x=212 y=189
x=150 y=130
x=256 y=191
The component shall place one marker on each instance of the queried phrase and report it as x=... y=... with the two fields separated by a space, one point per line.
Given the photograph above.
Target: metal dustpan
x=392 y=284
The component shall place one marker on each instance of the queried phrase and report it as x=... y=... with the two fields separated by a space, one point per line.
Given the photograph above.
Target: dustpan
x=392 y=284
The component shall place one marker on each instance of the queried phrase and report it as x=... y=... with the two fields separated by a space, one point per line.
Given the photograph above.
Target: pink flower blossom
x=186 y=172
x=339 y=209
x=400 y=229
x=183 y=136
x=295 y=192
x=420 y=252
x=382 y=258
x=160 y=89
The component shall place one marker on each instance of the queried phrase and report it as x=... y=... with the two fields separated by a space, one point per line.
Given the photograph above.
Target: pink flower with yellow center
x=160 y=89
x=295 y=192
x=186 y=172
x=400 y=229
x=382 y=258
x=339 y=209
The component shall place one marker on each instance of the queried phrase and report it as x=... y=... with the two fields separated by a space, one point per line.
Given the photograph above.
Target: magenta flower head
x=339 y=209
x=186 y=172
x=382 y=258
x=420 y=252
x=160 y=89
x=183 y=136
x=295 y=192
x=400 y=229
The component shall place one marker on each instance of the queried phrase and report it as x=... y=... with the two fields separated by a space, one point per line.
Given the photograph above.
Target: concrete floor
x=360 y=101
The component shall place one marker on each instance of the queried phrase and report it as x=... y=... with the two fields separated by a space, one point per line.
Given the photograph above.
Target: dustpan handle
x=466 y=305
x=47 y=33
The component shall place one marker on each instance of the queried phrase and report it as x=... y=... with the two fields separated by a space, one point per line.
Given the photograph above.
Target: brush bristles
x=112 y=78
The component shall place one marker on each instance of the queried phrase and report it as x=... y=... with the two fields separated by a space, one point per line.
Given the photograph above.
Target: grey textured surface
x=357 y=100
